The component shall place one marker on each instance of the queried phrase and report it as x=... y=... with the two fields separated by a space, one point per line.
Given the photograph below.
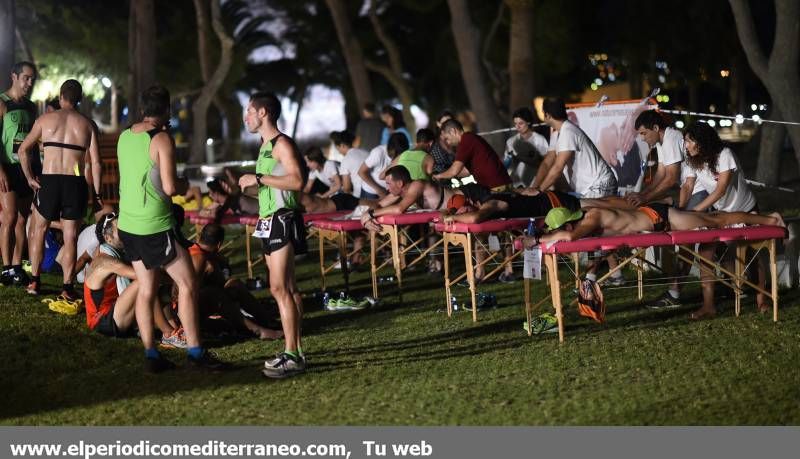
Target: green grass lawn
x=409 y=364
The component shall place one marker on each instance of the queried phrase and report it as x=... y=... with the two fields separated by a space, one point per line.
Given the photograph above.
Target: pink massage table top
x=307 y=218
x=748 y=233
x=490 y=226
x=409 y=218
x=339 y=225
x=591 y=244
x=227 y=219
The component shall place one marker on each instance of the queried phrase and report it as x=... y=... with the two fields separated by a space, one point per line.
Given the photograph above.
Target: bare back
x=66 y=137
x=622 y=221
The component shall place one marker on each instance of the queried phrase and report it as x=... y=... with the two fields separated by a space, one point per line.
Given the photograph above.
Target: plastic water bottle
x=325 y=298
x=531 y=226
x=453 y=303
x=342 y=295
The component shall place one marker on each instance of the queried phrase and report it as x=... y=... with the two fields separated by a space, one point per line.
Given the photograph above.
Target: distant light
x=598 y=81
x=125 y=111
x=753 y=107
x=594 y=86
x=604 y=56
x=679 y=124
x=762 y=107
x=659 y=98
x=712 y=108
x=757 y=119
x=724 y=73
x=662 y=79
x=739 y=119
x=666 y=98
x=712 y=123
x=725 y=123
x=209 y=141
x=611 y=77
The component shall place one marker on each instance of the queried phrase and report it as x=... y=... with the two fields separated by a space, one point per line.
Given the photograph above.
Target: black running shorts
x=154 y=250
x=62 y=196
x=287 y=228
x=17 y=181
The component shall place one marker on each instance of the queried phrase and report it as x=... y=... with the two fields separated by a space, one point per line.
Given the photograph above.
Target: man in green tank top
x=146 y=154
x=417 y=160
x=280 y=175
x=17 y=115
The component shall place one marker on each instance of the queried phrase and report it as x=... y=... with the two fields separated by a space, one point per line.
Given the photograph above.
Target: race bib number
x=532 y=266
x=263 y=228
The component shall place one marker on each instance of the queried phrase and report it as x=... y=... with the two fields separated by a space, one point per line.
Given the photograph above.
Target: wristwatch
x=258 y=179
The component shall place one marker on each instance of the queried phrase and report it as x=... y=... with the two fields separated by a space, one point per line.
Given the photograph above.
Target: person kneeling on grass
x=110 y=294
x=219 y=295
x=563 y=224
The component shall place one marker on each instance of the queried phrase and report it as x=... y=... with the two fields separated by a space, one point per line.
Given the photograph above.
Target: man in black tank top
x=17 y=114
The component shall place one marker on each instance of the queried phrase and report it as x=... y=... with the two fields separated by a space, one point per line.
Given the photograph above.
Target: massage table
x=465 y=235
x=743 y=238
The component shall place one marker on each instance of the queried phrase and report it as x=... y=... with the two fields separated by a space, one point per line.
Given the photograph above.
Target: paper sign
x=532 y=266
x=494 y=243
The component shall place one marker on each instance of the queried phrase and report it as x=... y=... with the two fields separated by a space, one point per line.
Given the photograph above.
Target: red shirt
x=107 y=296
x=481 y=161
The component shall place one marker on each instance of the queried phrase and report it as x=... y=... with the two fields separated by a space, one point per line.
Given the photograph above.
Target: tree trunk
x=114 y=122
x=393 y=73
x=770 y=149
x=353 y=54
x=467 y=39
x=204 y=56
x=300 y=100
x=24 y=45
x=779 y=73
x=520 y=54
x=141 y=53
x=7 y=26
x=203 y=101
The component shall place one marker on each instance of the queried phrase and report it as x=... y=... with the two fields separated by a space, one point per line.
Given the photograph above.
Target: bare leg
x=682 y=220
x=281 y=267
x=24 y=211
x=182 y=273
x=70 y=231
x=36 y=241
x=125 y=307
x=145 y=300
x=707 y=276
x=9 y=215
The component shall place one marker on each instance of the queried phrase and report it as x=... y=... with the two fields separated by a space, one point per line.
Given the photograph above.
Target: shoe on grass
x=507 y=278
x=176 y=339
x=666 y=301
x=33 y=288
x=350 y=304
x=544 y=323
x=159 y=365
x=20 y=278
x=284 y=366
x=208 y=362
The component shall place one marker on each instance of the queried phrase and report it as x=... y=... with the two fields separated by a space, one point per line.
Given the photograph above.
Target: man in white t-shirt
x=574 y=155
x=371 y=169
x=351 y=163
x=655 y=131
x=524 y=150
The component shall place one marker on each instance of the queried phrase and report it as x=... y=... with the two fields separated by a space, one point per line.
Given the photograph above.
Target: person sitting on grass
x=110 y=290
x=227 y=297
x=563 y=224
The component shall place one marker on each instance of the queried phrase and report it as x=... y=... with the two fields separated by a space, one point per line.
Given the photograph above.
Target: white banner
x=611 y=128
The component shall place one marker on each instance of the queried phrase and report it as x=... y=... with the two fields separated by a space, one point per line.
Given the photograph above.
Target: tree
x=520 y=54
x=393 y=73
x=353 y=54
x=212 y=84
x=778 y=72
x=7 y=24
x=141 y=52
x=467 y=38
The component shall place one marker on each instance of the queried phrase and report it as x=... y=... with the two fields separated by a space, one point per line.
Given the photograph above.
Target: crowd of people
x=125 y=258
